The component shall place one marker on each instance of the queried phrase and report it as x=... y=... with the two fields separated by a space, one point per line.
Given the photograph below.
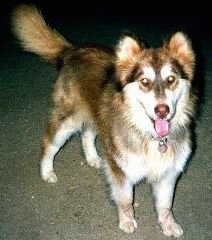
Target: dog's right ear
x=128 y=51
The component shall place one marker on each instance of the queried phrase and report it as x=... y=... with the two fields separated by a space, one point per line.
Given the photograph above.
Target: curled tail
x=34 y=34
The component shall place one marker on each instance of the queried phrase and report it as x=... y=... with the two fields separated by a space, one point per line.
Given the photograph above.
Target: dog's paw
x=172 y=229
x=128 y=226
x=94 y=162
x=49 y=177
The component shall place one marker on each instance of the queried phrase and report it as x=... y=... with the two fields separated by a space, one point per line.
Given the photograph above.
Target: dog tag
x=162 y=146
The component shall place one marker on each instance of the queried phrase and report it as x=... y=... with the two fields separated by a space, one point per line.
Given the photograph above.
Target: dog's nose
x=162 y=110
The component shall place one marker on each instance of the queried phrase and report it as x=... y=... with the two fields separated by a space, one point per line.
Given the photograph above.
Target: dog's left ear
x=128 y=51
x=180 y=48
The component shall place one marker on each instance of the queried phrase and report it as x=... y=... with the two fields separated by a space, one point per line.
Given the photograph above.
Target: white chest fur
x=152 y=164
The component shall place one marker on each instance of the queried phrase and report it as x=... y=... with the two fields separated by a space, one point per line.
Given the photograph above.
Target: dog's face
x=157 y=80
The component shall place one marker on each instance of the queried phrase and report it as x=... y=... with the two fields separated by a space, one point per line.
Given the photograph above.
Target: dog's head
x=156 y=80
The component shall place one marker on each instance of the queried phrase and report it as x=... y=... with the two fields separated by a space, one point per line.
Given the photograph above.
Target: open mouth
x=161 y=127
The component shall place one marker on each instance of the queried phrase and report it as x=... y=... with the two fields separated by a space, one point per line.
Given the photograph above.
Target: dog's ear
x=128 y=51
x=180 y=48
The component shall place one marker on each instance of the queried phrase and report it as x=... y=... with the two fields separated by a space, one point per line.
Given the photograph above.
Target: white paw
x=172 y=229
x=94 y=162
x=49 y=177
x=128 y=226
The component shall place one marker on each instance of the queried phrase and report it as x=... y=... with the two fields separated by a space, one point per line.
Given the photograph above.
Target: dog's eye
x=145 y=82
x=170 y=80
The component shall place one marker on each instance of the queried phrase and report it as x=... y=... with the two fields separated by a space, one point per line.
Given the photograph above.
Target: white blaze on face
x=165 y=72
x=149 y=73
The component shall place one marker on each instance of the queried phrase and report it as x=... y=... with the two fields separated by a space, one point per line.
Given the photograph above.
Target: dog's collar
x=162 y=143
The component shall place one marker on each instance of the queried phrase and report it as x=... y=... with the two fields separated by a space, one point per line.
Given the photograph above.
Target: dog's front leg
x=123 y=196
x=163 y=192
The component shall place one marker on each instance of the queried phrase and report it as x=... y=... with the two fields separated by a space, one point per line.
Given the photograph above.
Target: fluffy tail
x=34 y=34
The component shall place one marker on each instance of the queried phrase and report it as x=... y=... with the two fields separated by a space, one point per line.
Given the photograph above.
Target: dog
x=137 y=99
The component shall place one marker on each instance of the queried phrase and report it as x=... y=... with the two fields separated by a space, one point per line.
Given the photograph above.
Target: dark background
x=195 y=14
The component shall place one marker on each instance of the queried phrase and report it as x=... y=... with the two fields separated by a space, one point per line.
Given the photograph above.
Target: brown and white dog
x=137 y=99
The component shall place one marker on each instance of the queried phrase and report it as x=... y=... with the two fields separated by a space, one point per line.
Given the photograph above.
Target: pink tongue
x=162 y=127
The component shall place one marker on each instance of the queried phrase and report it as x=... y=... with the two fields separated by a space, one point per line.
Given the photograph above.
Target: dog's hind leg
x=55 y=138
x=88 y=143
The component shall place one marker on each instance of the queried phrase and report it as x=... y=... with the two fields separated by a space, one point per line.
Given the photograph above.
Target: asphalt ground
x=78 y=206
